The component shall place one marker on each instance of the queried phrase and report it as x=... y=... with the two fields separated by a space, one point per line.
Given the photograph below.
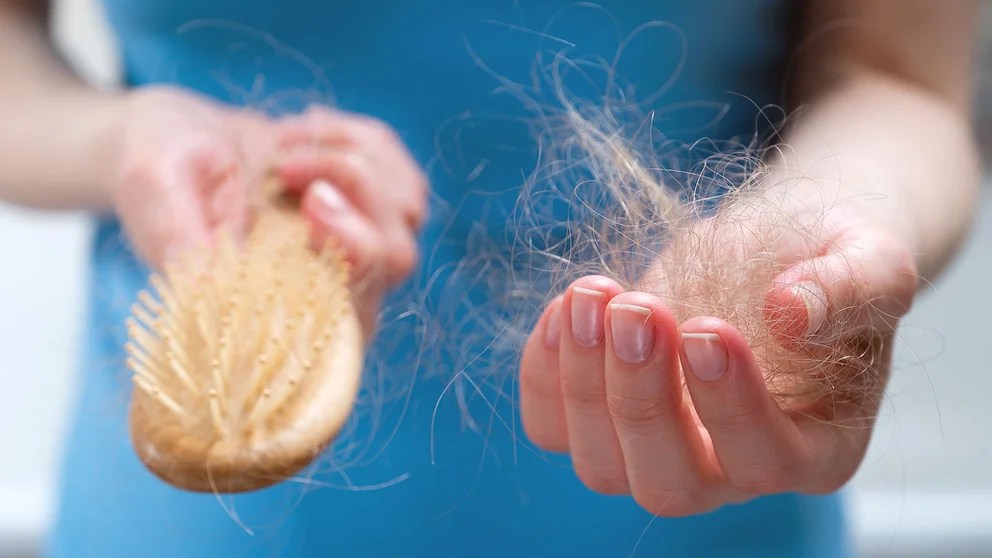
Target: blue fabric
x=418 y=474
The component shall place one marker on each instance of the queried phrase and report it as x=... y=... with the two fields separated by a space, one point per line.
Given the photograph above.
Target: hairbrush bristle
x=246 y=359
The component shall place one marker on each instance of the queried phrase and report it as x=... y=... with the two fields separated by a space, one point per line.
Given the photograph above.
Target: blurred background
x=925 y=488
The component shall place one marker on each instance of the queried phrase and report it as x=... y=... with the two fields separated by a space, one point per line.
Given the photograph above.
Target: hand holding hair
x=750 y=361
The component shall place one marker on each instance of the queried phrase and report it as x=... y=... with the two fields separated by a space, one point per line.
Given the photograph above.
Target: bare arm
x=886 y=84
x=56 y=131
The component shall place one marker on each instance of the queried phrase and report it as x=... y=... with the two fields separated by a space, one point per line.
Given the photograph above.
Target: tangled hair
x=706 y=227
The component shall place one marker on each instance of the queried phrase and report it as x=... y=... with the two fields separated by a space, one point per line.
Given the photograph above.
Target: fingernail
x=706 y=355
x=633 y=332
x=815 y=300
x=328 y=198
x=552 y=328
x=588 y=309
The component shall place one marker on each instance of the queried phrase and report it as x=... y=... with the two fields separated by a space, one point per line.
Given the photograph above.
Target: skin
x=176 y=167
x=885 y=127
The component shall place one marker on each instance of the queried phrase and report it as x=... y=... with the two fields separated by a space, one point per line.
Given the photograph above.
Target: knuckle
x=358 y=166
x=607 y=482
x=831 y=485
x=415 y=204
x=905 y=278
x=731 y=419
x=538 y=382
x=581 y=392
x=546 y=440
x=369 y=259
x=893 y=293
x=374 y=130
x=637 y=414
x=826 y=487
x=835 y=481
x=380 y=130
x=319 y=115
x=669 y=503
x=422 y=185
x=543 y=435
x=416 y=217
x=769 y=478
x=402 y=256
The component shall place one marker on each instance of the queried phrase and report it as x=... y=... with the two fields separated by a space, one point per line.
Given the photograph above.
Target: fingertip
x=703 y=325
x=551 y=323
x=757 y=443
x=295 y=170
x=725 y=382
x=332 y=217
x=656 y=310
x=541 y=405
x=711 y=347
x=592 y=285
x=229 y=209
x=325 y=204
x=705 y=356
x=640 y=325
x=586 y=300
x=795 y=311
x=403 y=252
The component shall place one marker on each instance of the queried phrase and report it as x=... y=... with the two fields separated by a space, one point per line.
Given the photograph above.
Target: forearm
x=891 y=150
x=885 y=90
x=56 y=140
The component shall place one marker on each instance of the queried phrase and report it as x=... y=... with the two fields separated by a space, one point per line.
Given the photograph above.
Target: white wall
x=42 y=259
x=925 y=488
x=926 y=484
x=42 y=267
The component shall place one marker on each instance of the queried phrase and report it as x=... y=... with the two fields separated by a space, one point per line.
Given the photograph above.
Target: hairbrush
x=246 y=357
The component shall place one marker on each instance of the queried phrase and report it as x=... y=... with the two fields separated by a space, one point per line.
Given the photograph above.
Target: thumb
x=163 y=222
x=865 y=282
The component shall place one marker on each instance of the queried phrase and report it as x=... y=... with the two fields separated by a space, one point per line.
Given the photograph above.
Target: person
x=884 y=87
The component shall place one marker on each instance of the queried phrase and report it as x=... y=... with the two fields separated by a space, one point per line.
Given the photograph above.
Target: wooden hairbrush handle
x=246 y=360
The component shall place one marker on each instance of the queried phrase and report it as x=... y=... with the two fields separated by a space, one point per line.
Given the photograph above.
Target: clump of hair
x=619 y=201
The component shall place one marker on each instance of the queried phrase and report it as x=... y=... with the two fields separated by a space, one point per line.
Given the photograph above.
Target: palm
x=769 y=347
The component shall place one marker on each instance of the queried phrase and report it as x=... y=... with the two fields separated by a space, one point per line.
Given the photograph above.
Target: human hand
x=359 y=184
x=187 y=167
x=687 y=417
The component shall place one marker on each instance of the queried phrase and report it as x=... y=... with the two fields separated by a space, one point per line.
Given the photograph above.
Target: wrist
x=828 y=199
x=102 y=129
x=57 y=149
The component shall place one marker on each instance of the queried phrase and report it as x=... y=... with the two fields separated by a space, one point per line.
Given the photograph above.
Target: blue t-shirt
x=431 y=464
